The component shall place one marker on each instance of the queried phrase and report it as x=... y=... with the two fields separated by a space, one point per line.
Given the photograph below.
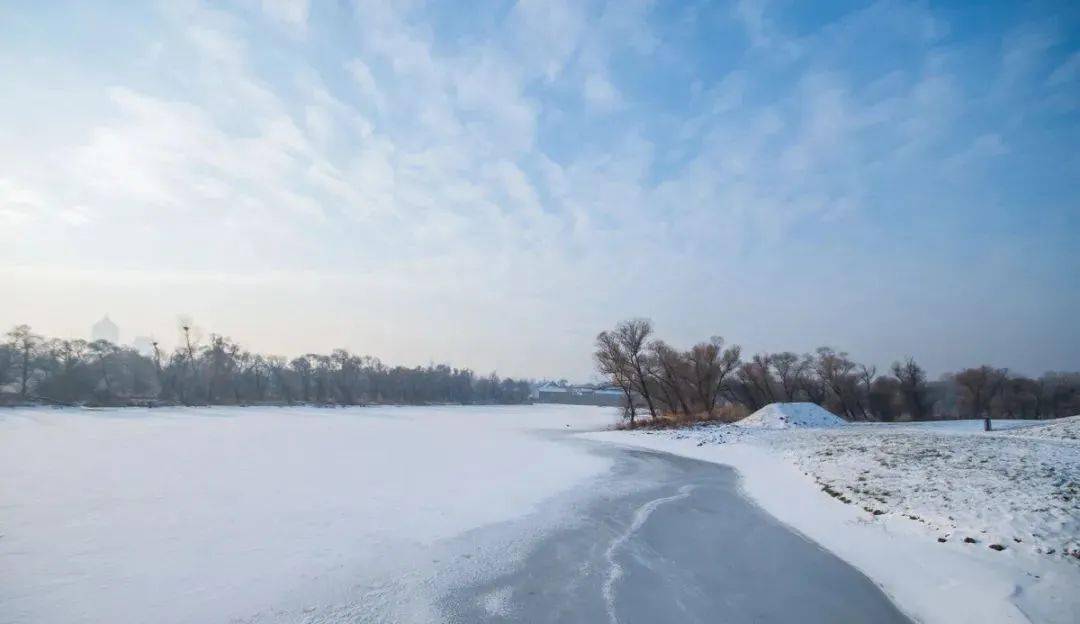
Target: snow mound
x=1061 y=428
x=791 y=415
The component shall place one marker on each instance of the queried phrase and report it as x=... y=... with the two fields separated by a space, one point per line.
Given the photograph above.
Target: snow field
x=1060 y=429
x=264 y=514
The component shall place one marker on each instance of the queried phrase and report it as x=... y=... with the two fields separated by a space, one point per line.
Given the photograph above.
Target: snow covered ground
x=1061 y=429
x=956 y=524
x=265 y=514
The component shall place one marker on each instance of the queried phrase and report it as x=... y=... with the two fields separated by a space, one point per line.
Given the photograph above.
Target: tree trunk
x=631 y=411
x=703 y=396
x=25 y=371
x=105 y=377
x=645 y=390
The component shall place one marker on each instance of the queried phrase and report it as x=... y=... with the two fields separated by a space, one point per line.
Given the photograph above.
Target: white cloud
x=13 y=194
x=728 y=94
x=291 y=13
x=980 y=150
x=1067 y=72
x=365 y=81
x=18 y=204
x=76 y=216
x=547 y=33
x=600 y=95
x=449 y=164
x=217 y=47
x=760 y=30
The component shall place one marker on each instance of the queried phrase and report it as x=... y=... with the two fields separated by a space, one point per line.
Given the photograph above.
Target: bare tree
x=913 y=388
x=103 y=350
x=259 y=372
x=244 y=362
x=866 y=376
x=24 y=342
x=980 y=386
x=788 y=369
x=189 y=337
x=7 y=363
x=615 y=365
x=836 y=370
x=68 y=377
x=347 y=374
x=632 y=335
x=157 y=360
x=302 y=367
x=673 y=373
x=810 y=383
x=322 y=373
x=885 y=399
x=762 y=375
x=711 y=365
x=219 y=364
x=756 y=384
x=278 y=367
x=1019 y=397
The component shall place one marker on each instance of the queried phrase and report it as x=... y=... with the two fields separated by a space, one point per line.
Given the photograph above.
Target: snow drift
x=1061 y=428
x=791 y=415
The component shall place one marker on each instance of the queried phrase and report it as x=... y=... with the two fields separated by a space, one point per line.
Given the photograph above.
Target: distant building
x=105 y=330
x=579 y=395
x=144 y=345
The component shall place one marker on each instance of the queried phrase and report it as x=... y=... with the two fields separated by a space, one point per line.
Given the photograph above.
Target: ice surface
x=261 y=514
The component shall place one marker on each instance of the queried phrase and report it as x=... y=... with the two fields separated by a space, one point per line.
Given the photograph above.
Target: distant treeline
x=220 y=372
x=709 y=376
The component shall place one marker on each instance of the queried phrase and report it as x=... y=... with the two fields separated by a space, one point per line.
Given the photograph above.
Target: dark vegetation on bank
x=712 y=381
x=34 y=369
x=724 y=414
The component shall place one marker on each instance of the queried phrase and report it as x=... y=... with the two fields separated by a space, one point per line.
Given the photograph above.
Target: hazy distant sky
x=492 y=183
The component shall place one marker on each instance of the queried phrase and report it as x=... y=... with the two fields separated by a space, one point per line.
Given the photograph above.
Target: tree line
x=219 y=371
x=699 y=381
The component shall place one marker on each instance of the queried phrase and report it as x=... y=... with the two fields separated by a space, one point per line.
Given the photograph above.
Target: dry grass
x=722 y=414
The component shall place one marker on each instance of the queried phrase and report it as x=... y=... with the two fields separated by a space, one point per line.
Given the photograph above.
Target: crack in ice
x=615 y=571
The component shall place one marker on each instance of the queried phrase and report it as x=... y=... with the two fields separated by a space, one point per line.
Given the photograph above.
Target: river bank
x=916 y=508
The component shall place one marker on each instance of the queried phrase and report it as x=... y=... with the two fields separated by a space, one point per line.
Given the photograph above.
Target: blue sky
x=493 y=184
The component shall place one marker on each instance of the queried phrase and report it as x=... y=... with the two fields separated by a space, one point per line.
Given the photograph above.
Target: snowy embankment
x=955 y=524
x=1060 y=429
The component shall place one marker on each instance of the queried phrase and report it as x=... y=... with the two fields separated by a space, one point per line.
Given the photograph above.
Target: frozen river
x=387 y=515
x=677 y=543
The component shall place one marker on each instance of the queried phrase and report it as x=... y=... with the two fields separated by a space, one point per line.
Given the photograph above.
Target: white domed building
x=105 y=329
